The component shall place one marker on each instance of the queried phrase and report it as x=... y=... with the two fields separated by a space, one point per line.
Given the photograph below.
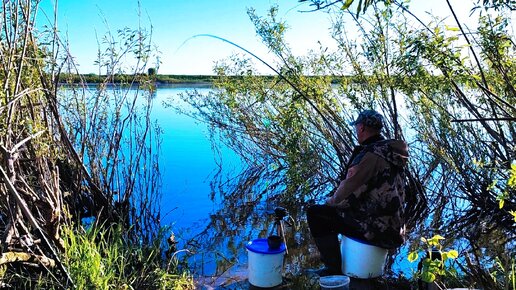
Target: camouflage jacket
x=372 y=194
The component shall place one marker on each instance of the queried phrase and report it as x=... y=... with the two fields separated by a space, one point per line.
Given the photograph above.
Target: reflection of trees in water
x=246 y=213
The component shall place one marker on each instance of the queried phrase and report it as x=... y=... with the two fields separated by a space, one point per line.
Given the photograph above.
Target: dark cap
x=369 y=118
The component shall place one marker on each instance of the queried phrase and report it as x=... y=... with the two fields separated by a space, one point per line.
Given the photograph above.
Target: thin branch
x=469 y=43
x=302 y=94
x=510 y=119
x=19 y=144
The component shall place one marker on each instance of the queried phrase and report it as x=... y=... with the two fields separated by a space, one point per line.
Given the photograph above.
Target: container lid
x=262 y=247
x=335 y=281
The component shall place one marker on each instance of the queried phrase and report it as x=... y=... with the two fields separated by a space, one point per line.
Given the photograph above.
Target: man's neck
x=372 y=139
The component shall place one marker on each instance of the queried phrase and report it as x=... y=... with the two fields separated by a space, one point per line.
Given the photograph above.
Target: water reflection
x=246 y=214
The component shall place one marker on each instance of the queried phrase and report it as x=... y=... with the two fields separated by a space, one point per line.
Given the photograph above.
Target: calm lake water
x=188 y=164
x=188 y=161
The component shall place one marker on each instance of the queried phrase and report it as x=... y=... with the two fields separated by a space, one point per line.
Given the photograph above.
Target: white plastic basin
x=337 y=282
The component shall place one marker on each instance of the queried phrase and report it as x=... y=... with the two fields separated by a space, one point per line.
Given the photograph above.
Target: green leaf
x=413 y=256
x=513 y=213
x=512 y=178
x=437 y=237
x=434 y=265
x=492 y=185
x=452 y=254
x=501 y=199
x=428 y=277
x=451 y=28
x=434 y=241
x=347 y=4
x=359 y=6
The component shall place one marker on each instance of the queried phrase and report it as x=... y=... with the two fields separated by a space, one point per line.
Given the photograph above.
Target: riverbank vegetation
x=455 y=107
x=80 y=177
x=79 y=172
x=157 y=79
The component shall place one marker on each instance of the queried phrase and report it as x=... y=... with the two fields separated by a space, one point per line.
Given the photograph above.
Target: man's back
x=376 y=201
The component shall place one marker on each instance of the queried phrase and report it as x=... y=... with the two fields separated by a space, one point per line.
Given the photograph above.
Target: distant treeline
x=161 y=79
x=121 y=78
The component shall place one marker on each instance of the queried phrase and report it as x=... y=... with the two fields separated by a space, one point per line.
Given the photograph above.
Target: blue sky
x=175 y=21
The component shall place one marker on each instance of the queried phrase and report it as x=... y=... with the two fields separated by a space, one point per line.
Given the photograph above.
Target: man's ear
x=361 y=127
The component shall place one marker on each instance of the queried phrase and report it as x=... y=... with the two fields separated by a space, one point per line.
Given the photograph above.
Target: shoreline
x=196 y=84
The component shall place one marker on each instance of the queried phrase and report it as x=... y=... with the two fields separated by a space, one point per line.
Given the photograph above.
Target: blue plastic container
x=264 y=264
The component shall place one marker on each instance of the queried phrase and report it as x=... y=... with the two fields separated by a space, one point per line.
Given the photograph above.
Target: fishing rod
x=301 y=93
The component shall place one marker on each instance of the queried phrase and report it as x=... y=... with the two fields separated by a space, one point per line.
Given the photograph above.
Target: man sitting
x=368 y=204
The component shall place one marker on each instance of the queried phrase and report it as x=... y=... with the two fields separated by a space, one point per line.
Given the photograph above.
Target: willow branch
x=510 y=119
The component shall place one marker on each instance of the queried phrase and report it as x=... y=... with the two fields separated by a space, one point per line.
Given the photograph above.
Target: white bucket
x=264 y=264
x=361 y=260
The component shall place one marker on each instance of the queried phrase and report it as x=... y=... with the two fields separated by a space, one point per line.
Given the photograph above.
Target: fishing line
x=301 y=93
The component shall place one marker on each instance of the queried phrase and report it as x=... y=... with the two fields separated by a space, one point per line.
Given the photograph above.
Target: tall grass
x=100 y=258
